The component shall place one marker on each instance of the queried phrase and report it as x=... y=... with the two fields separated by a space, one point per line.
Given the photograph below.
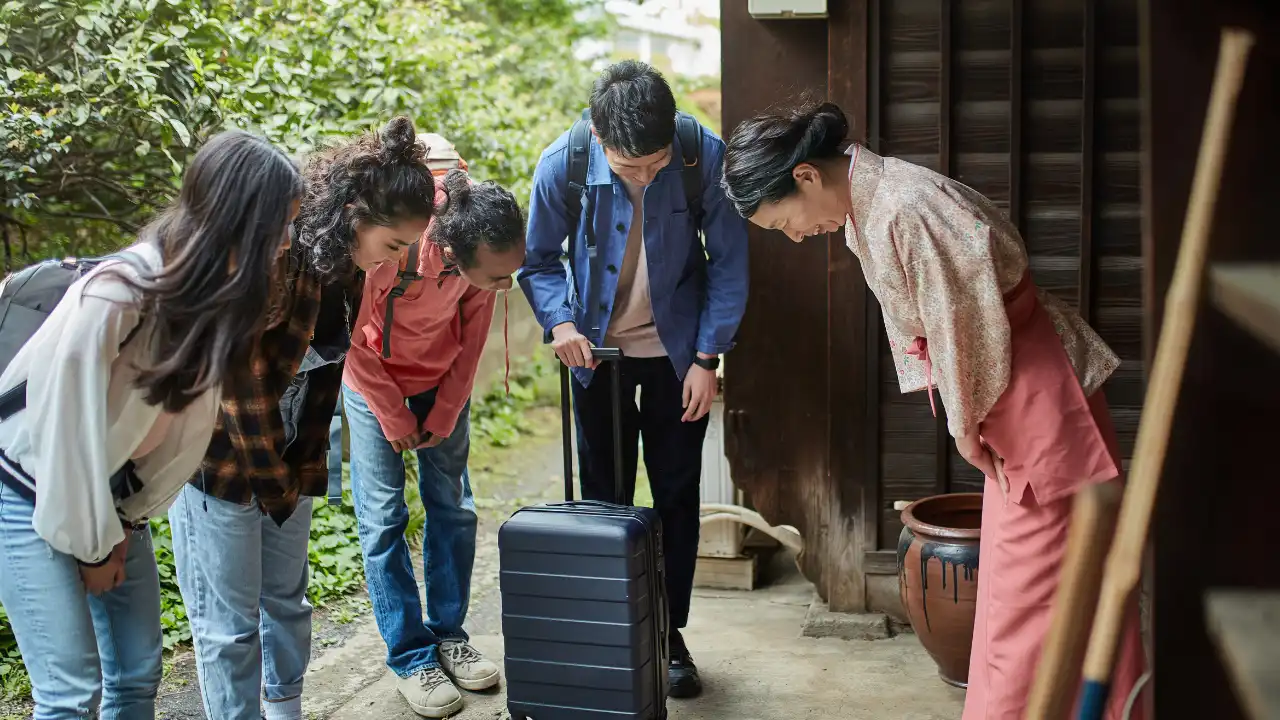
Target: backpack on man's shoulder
x=442 y=157
x=27 y=298
x=688 y=129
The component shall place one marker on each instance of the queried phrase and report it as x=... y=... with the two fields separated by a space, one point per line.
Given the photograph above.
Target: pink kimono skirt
x=1054 y=440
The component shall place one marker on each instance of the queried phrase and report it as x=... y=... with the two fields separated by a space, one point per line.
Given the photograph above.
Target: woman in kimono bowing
x=1017 y=370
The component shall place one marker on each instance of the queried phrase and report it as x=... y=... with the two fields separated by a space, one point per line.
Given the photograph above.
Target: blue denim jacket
x=698 y=296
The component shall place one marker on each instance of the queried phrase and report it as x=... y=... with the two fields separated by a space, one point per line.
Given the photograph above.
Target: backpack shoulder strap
x=578 y=160
x=576 y=196
x=404 y=278
x=689 y=130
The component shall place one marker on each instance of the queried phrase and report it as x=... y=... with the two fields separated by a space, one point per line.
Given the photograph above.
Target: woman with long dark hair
x=242 y=524
x=1018 y=371
x=122 y=388
x=414 y=394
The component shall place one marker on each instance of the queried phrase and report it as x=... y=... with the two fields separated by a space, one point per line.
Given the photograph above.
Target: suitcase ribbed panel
x=583 y=606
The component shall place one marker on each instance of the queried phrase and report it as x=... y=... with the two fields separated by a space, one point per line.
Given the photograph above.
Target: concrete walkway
x=754 y=662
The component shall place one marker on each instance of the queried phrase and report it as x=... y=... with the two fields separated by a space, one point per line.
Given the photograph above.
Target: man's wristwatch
x=707 y=363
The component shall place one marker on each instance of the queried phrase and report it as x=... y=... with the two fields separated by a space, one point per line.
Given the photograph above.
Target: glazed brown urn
x=938 y=577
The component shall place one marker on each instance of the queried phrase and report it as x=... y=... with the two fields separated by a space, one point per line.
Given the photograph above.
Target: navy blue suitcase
x=584 y=600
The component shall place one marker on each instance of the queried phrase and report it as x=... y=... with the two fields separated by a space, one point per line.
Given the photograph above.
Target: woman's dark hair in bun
x=380 y=178
x=481 y=214
x=763 y=151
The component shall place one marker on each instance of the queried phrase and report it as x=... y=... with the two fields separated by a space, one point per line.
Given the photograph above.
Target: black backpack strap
x=578 y=161
x=407 y=277
x=576 y=195
x=334 y=491
x=689 y=130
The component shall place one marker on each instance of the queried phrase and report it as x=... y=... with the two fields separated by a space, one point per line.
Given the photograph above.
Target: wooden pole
x=1124 y=561
x=1093 y=521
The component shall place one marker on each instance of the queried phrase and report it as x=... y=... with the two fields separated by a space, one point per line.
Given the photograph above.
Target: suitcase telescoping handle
x=613 y=358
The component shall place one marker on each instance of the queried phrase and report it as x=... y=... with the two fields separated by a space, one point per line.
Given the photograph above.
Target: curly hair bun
x=400 y=142
x=457 y=185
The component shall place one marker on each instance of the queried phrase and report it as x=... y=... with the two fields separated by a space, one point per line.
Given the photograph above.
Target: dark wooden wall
x=1035 y=103
x=1215 y=517
x=777 y=380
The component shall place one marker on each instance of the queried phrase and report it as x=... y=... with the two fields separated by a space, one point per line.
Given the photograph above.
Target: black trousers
x=672 y=455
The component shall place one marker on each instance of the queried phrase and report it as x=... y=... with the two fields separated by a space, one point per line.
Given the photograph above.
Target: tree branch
x=8 y=250
x=11 y=220
x=123 y=224
x=98 y=202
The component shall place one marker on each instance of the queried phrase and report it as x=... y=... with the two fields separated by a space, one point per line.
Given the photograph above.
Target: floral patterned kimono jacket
x=1011 y=363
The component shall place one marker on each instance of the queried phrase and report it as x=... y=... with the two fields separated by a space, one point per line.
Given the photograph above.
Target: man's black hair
x=632 y=109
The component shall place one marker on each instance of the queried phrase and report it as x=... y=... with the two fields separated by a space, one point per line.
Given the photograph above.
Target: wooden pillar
x=848 y=330
x=777 y=393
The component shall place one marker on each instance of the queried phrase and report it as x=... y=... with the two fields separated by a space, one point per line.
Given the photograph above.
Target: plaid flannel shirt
x=247 y=459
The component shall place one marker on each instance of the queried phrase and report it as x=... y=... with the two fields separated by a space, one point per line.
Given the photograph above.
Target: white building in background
x=679 y=36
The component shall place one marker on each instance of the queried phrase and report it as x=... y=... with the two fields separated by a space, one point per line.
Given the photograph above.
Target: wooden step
x=1245 y=625
x=1249 y=293
x=722 y=573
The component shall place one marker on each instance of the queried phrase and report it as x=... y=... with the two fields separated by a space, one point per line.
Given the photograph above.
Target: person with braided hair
x=407 y=387
x=241 y=524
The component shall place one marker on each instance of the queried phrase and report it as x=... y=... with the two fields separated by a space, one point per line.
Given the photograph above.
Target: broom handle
x=1124 y=561
x=1093 y=520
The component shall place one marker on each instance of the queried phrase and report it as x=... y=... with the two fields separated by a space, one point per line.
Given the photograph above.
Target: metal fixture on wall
x=787 y=9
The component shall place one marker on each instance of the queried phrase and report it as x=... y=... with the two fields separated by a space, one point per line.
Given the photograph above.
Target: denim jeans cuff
x=276 y=693
x=432 y=665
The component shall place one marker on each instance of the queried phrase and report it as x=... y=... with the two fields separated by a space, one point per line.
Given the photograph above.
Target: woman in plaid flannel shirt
x=242 y=523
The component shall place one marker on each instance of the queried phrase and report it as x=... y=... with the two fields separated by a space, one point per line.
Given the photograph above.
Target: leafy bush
x=173 y=614
x=499 y=419
x=102 y=102
x=337 y=568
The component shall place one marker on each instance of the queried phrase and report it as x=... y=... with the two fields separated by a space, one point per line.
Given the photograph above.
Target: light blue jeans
x=449 y=542
x=244 y=583
x=85 y=654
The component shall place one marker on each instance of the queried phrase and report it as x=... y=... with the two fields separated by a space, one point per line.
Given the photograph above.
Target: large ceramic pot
x=938 y=577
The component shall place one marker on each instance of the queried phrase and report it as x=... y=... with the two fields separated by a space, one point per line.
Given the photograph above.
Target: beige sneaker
x=467 y=667
x=430 y=693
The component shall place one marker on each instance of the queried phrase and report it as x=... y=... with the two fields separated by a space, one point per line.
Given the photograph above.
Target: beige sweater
x=631 y=327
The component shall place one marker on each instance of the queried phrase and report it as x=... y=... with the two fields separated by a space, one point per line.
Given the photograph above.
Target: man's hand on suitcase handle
x=572 y=347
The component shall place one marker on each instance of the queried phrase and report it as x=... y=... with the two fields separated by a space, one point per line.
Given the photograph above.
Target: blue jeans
x=244 y=583
x=449 y=543
x=85 y=654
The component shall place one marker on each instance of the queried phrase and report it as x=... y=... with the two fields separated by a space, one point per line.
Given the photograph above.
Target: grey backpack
x=27 y=299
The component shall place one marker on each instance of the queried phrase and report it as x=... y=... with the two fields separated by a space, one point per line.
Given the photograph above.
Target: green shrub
x=102 y=102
